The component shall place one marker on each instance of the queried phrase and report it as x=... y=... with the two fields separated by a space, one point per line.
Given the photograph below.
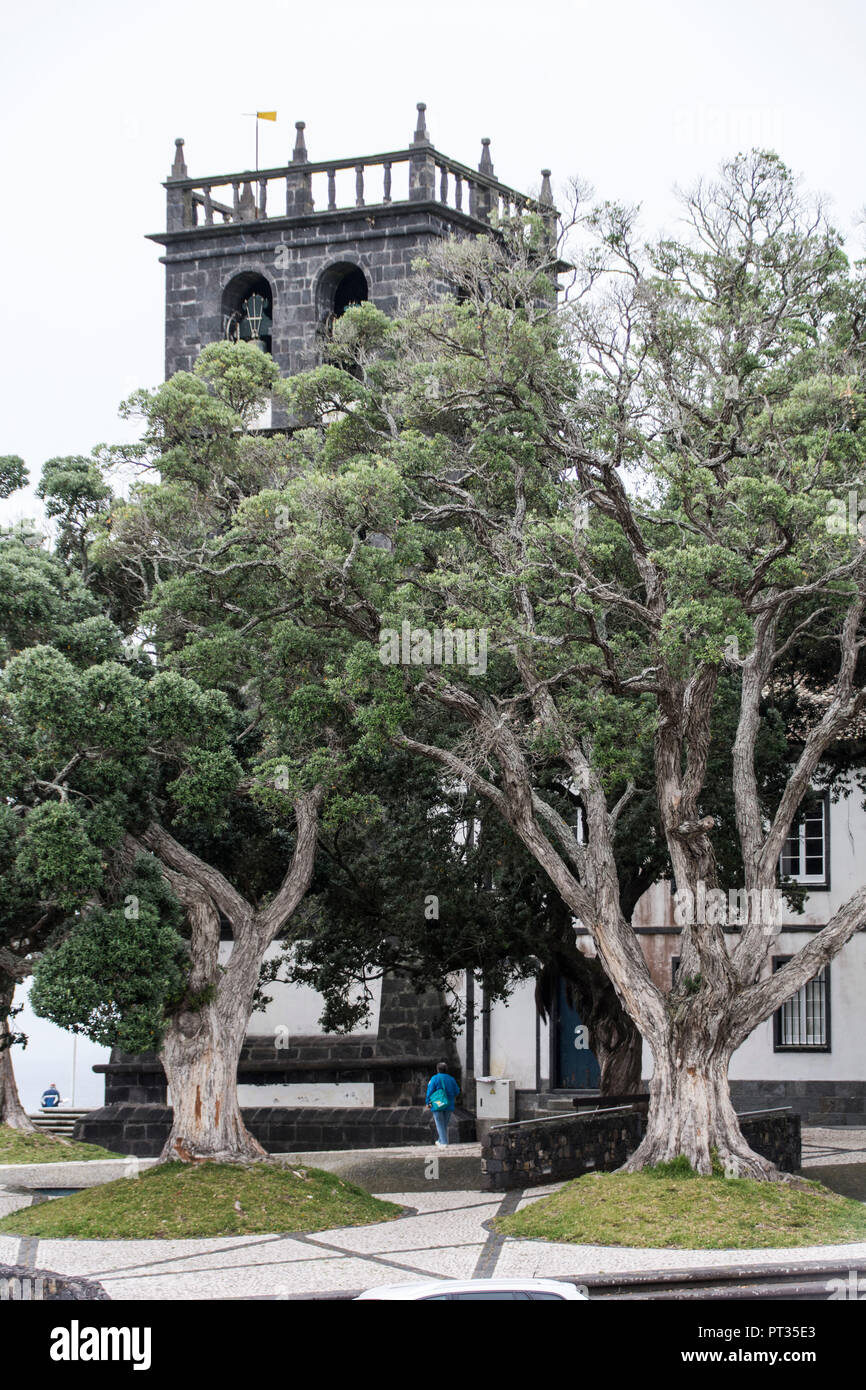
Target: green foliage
x=239 y=374
x=203 y=789
x=120 y=969
x=41 y=600
x=56 y=857
x=13 y=474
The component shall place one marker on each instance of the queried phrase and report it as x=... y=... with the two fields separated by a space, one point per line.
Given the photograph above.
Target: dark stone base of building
x=143 y=1129
x=534 y=1152
x=829 y=1103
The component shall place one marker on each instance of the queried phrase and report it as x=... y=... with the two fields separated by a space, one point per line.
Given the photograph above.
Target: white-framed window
x=806 y=856
x=802 y=1024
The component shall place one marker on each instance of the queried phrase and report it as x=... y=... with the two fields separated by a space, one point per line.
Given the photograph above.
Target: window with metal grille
x=806 y=857
x=802 y=1024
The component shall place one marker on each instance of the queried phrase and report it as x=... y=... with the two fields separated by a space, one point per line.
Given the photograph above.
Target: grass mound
x=679 y=1210
x=176 y=1200
x=16 y=1147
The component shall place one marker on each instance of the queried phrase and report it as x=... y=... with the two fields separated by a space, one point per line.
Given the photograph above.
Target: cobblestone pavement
x=446 y=1237
x=827 y=1147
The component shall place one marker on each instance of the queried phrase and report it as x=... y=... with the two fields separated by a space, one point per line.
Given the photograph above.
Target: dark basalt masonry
x=829 y=1103
x=303 y=228
x=142 y=1130
x=535 y=1152
x=399 y=1060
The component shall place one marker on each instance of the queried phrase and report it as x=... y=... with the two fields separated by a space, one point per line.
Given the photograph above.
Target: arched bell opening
x=248 y=310
x=340 y=286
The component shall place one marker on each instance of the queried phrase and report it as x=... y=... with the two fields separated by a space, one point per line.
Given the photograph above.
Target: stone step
x=60 y=1122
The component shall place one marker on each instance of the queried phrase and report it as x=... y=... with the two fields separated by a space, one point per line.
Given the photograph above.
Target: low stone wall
x=531 y=1153
x=143 y=1129
x=775 y=1134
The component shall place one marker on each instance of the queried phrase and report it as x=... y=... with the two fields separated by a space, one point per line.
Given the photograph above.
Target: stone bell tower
x=275 y=255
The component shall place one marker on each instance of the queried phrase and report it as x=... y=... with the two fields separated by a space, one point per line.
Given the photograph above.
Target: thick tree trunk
x=619 y=1052
x=613 y=1036
x=12 y=1112
x=200 y=1056
x=203 y=1043
x=691 y=1113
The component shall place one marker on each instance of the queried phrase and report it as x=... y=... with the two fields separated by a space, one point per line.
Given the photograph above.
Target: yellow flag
x=266 y=115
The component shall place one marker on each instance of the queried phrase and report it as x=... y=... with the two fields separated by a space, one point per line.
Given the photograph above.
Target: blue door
x=576 y=1067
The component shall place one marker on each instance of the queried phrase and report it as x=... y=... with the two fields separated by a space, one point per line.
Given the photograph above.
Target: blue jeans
x=441 y=1118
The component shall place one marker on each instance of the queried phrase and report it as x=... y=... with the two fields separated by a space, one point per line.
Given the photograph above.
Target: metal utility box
x=494 y=1098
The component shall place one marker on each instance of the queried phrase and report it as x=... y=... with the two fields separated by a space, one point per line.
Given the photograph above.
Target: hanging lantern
x=252 y=322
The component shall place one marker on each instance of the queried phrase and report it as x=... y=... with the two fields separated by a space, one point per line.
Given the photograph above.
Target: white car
x=473 y=1290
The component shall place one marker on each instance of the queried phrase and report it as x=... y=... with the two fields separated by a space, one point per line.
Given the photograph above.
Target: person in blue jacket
x=50 y=1097
x=442 y=1092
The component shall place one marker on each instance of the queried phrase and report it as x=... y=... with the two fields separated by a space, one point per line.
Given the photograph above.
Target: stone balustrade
x=418 y=173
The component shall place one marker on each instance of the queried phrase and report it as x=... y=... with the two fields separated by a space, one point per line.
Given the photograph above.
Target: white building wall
x=846 y=1061
x=512 y=1038
x=299 y=1008
x=513 y=1023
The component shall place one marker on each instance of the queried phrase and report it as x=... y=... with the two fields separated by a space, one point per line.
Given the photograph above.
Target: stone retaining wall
x=534 y=1152
x=775 y=1135
x=143 y=1129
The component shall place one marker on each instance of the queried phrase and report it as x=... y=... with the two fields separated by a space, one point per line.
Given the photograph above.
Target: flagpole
x=257 y=116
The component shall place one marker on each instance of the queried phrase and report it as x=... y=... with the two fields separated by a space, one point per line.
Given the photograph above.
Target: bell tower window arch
x=248 y=310
x=340 y=286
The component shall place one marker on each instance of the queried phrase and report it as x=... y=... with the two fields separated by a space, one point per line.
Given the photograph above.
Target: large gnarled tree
x=631 y=493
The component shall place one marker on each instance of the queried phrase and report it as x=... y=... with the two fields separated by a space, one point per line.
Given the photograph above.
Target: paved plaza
x=443 y=1235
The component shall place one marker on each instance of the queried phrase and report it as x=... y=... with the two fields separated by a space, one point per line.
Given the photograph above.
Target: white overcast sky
x=633 y=96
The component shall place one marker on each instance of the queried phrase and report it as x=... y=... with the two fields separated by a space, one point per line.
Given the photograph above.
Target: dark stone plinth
x=143 y=1129
x=399 y=1074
